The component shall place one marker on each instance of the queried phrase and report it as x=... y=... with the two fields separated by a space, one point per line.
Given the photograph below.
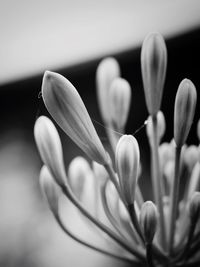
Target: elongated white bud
x=107 y=71
x=153 y=64
x=148 y=220
x=127 y=158
x=50 y=148
x=78 y=171
x=119 y=99
x=67 y=108
x=184 y=110
x=50 y=189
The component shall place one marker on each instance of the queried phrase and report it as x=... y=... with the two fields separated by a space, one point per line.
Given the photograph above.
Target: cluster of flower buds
x=161 y=232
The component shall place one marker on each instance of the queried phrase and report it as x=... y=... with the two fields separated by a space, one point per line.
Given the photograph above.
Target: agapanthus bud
x=148 y=220
x=119 y=99
x=184 y=110
x=191 y=156
x=50 y=148
x=67 y=108
x=161 y=127
x=153 y=64
x=78 y=171
x=166 y=153
x=108 y=69
x=50 y=189
x=127 y=159
x=194 y=206
x=198 y=129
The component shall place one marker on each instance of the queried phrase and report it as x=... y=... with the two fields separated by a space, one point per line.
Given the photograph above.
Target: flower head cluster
x=161 y=232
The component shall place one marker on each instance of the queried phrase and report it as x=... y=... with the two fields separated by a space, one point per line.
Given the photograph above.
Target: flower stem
x=174 y=199
x=157 y=182
x=77 y=239
x=69 y=194
x=149 y=255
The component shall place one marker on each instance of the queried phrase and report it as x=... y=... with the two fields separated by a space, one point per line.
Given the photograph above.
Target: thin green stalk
x=79 y=240
x=174 y=199
x=149 y=255
x=157 y=182
x=69 y=194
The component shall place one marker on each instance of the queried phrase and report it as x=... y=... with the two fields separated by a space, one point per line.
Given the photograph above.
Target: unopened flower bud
x=191 y=156
x=50 y=189
x=67 y=108
x=107 y=71
x=160 y=128
x=194 y=206
x=184 y=110
x=119 y=99
x=78 y=171
x=198 y=129
x=148 y=221
x=153 y=64
x=50 y=148
x=127 y=159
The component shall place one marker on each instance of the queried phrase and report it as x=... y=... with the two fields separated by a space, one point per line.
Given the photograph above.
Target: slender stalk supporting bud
x=184 y=109
x=119 y=98
x=67 y=108
x=153 y=64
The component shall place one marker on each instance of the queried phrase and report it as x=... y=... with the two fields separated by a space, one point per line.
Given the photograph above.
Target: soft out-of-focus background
x=71 y=37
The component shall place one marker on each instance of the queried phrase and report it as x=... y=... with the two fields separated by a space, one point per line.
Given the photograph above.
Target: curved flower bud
x=148 y=221
x=184 y=110
x=50 y=189
x=127 y=158
x=99 y=172
x=108 y=69
x=50 y=148
x=78 y=171
x=119 y=99
x=67 y=108
x=194 y=206
x=161 y=127
x=153 y=64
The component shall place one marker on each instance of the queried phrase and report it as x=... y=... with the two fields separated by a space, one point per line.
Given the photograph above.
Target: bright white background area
x=36 y=35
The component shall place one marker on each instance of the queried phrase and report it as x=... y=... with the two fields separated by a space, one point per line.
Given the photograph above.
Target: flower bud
x=78 y=171
x=50 y=148
x=194 y=206
x=50 y=189
x=107 y=71
x=191 y=156
x=67 y=108
x=127 y=159
x=198 y=130
x=119 y=99
x=153 y=64
x=184 y=110
x=166 y=153
x=160 y=129
x=148 y=221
